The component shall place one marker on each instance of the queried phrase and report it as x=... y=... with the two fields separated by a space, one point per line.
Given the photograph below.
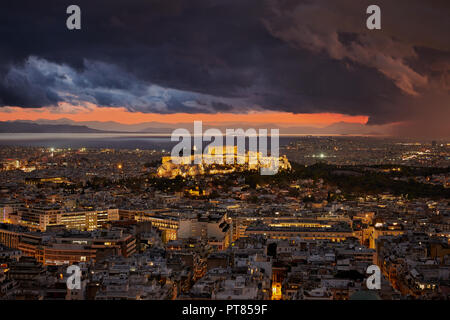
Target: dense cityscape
x=338 y=206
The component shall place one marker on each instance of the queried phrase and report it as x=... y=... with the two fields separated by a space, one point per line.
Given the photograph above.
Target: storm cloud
x=167 y=56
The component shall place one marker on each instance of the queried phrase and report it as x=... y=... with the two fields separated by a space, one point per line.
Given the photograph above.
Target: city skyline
x=219 y=158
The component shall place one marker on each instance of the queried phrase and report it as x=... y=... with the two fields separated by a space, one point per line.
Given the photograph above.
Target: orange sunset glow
x=121 y=115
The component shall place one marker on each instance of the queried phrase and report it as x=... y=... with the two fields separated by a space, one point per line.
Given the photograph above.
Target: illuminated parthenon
x=216 y=162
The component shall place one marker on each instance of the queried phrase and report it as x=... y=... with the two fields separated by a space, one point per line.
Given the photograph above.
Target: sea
x=144 y=141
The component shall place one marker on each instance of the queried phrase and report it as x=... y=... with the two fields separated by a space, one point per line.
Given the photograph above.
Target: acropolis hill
x=214 y=162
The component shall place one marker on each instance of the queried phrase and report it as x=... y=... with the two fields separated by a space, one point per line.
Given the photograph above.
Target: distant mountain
x=29 y=127
x=341 y=128
x=147 y=127
x=67 y=125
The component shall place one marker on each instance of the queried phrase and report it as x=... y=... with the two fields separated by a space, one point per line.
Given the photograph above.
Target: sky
x=289 y=62
x=122 y=115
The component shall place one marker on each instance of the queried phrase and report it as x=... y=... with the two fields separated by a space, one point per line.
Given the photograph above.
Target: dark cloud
x=228 y=56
